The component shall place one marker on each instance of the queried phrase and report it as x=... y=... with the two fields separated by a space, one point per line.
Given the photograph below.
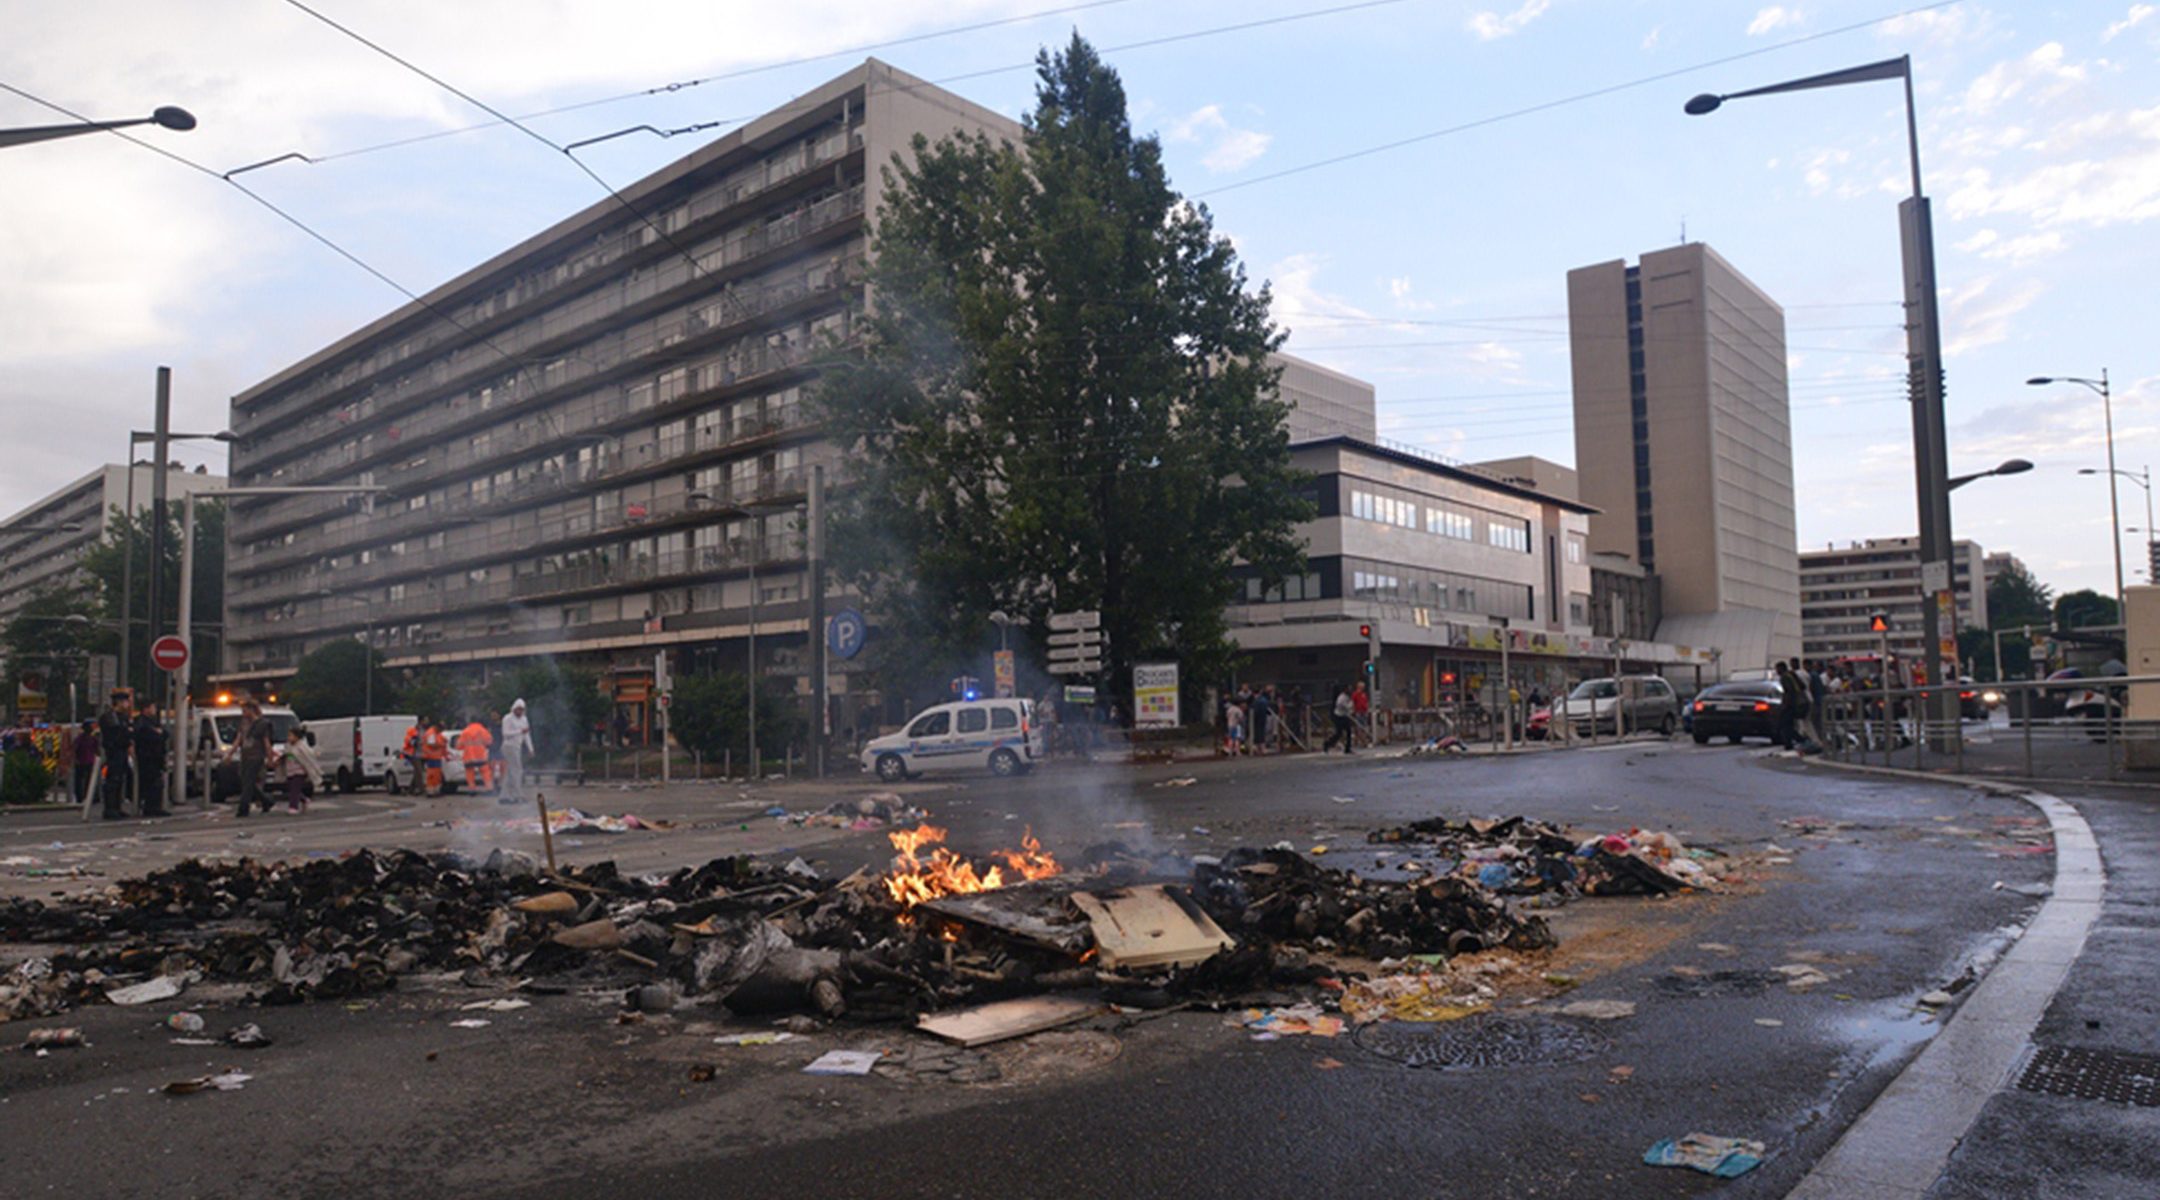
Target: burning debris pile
x=1520 y=857
x=936 y=929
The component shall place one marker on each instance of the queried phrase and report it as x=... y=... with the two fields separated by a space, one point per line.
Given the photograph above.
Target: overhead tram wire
x=793 y=107
x=1564 y=101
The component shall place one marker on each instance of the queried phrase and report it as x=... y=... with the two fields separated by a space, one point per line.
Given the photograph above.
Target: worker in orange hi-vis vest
x=415 y=769
x=473 y=746
x=434 y=752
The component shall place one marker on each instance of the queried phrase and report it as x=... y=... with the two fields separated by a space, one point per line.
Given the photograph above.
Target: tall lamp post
x=2144 y=480
x=1923 y=351
x=183 y=677
x=179 y=120
x=2107 y=414
x=127 y=560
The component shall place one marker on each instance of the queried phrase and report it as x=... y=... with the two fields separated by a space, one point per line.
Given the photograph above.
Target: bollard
x=727 y=763
x=2026 y=696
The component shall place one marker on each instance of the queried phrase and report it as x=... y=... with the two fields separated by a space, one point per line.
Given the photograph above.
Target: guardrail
x=2076 y=728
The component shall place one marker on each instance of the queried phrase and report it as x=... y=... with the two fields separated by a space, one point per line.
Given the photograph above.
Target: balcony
x=473 y=364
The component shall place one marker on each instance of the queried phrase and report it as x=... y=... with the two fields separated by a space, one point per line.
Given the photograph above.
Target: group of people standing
x=1802 y=685
x=121 y=754
x=492 y=750
x=1253 y=720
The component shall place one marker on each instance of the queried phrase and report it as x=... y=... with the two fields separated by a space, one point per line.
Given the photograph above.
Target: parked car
x=998 y=734
x=1633 y=702
x=1736 y=710
x=360 y=752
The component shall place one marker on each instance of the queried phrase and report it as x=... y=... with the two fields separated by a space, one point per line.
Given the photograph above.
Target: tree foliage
x=711 y=715
x=54 y=634
x=332 y=681
x=2083 y=608
x=2015 y=598
x=563 y=703
x=1060 y=399
x=105 y=565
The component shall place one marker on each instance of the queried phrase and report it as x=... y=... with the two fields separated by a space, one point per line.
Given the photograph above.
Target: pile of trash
x=930 y=933
x=1516 y=856
x=877 y=811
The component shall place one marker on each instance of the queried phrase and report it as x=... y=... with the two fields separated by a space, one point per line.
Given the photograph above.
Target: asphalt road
x=1890 y=891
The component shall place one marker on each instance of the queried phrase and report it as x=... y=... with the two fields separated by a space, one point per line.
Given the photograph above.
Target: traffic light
x=1365 y=631
x=1447 y=679
x=1879 y=623
x=1371 y=634
x=1371 y=667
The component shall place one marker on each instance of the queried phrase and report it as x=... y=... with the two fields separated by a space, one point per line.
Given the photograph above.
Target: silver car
x=1633 y=703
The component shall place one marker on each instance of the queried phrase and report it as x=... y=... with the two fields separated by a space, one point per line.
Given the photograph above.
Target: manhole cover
x=1720 y=983
x=2094 y=1075
x=1505 y=1041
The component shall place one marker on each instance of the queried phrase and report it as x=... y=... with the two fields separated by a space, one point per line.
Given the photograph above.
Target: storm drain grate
x=2094 y=1075
x=1506 y=1041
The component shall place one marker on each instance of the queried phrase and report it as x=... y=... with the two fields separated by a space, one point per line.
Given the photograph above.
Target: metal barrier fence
x=2062 y=728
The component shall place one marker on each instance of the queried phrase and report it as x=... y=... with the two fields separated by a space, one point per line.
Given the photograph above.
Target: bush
x=27 y=781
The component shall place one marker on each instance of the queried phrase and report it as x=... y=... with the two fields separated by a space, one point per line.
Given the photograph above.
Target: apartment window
x=1508 y=534
x=1575 y=548
x=1578 y=609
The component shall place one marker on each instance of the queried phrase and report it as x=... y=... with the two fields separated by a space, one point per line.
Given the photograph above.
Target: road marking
x=1900 y=1145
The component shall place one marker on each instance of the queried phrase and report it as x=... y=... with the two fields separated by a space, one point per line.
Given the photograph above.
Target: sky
x=1412 y=178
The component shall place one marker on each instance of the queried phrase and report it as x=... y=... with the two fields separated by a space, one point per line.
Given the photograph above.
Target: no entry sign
x=169 y=652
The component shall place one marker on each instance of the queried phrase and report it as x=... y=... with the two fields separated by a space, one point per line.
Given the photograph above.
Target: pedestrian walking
x=1345 y=709
x=1234 y=727
x=116 y=743
x=1818 y=714
x=415 y=770
x=1260 y=718
x=150 y=755
x=516 y=744
x=1361 y=710
x=301 y=770
x=251 y=750
x=1788 y=710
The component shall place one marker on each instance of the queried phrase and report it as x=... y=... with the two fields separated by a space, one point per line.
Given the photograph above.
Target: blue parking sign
x=846 y=632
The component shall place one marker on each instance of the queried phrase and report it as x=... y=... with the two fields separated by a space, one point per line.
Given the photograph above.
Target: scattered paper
x=1768 y=1022
x=496 y=1005
x=754 y=1039
x=229 y=1081
x=164 y=987
x=843 y=1062
x=470 y=1023
x=1599 y=1010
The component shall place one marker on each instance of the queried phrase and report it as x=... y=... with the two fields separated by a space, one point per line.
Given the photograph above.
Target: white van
x=210 y=735
x=360 y=752
x=998 y=734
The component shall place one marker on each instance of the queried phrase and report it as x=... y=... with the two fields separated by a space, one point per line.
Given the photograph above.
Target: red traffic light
x=1447 y=678
x=1364 y=631
x=1879 y=623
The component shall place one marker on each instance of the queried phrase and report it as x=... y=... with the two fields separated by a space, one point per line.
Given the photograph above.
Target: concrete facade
x=1842 y=586
x=610 y=456
x=31 y=562
x=1683 y=436
x=1324 y=402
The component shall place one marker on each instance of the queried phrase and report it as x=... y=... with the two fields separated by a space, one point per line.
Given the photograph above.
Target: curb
x=1900 y=1144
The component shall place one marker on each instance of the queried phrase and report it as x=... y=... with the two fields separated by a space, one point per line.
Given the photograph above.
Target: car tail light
x=1965 y=695
x=1762 y=706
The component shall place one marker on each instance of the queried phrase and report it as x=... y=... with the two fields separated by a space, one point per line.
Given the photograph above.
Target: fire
x=924 y=869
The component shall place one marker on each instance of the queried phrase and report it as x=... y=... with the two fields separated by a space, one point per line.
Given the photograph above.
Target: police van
x=998 y=734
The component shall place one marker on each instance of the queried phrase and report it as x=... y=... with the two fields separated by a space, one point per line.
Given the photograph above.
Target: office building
x=1444 y=561
x=1324 y=402
x=1683 y=443
x=1842 y=587
x=603 y=450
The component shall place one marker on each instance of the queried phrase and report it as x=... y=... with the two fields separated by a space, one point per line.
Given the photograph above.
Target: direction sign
x=1070 y=653
x=1079 y=637
x=1086 y=619
x=667 y=701
x=1075 y=668
x=169 y=652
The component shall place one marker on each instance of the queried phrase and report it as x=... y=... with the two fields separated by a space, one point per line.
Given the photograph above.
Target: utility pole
x=159 y=440
x=820 y=725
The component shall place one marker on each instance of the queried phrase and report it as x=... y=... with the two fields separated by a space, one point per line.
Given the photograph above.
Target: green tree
x=105 y=564
x=1060 y=400
x=2086 y=607
x=430 y=693
x=332 y=681
x=53 y=634
x=2015 y=598
x=710 y=715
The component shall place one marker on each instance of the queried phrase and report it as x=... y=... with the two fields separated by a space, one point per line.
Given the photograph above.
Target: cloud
x=1400 y=291
x=1491 y=26
x=1227 y=148
x=1776 y=16
x=1980 y=314
x=1938 y=27
x=2131 y=20
x=1294 y=283
x=2044 y=69
x=2118 y=184
x=1650 y=39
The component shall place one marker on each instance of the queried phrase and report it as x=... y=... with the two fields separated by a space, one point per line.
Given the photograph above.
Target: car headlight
x=1991 y=697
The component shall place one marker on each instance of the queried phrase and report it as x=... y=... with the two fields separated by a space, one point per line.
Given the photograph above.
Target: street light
x=2107 y=413
x=183 y=677
x=1923 y=340
x=2144 y=480
x=179 y=120
x=127 y=562
x=2009 y=466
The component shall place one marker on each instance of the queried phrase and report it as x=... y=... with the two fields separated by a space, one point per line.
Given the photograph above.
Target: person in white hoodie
x=301 y=771
x=516 y=744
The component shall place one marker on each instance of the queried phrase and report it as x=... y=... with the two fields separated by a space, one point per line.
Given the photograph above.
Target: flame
x=925 y=870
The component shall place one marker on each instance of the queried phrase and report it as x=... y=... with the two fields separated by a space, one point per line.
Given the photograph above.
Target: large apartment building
x=595 y=442
x=42 y=546
x=1842 y=587
x=1683 y=443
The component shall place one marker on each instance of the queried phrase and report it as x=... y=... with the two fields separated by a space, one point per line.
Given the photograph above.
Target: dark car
x=1736 y=710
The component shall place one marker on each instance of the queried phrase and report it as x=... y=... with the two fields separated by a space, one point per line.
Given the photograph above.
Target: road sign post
x=170 y=653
